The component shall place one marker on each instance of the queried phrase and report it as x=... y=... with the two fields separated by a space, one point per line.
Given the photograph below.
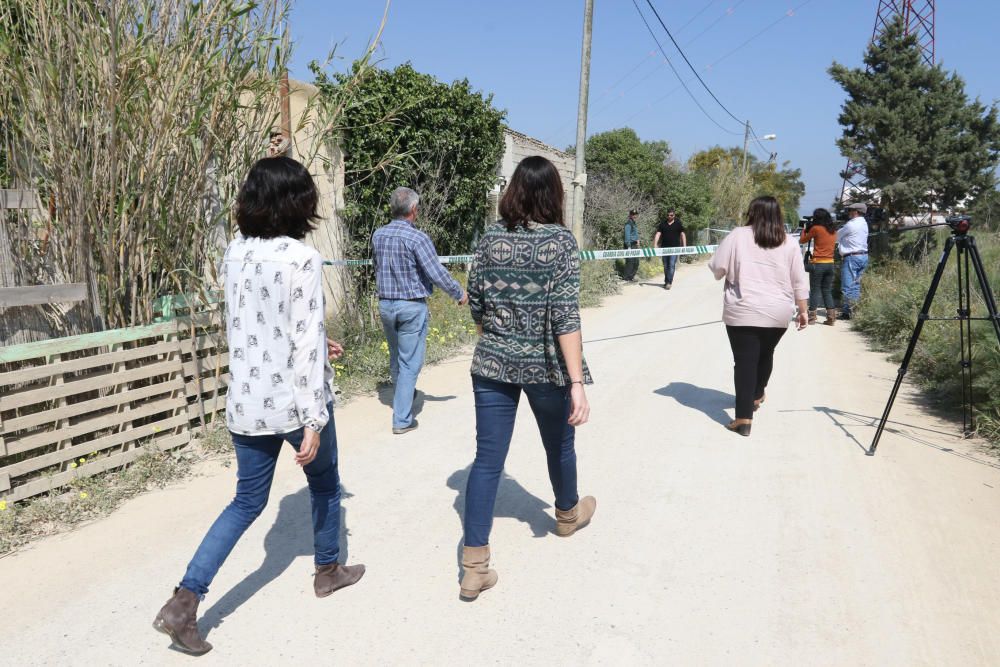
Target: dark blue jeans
x=821 y=286
x=669 y=267
x=256 y=457
x=496 y=407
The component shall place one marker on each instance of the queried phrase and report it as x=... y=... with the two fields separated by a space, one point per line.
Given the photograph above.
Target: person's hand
x=802 y=320
x=308 y=448
x=465 y=298
x=334 y=350
x=579 y=408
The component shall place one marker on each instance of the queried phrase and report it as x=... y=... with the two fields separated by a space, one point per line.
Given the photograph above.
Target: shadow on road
x=841 y=419
x=513 y=501
x=711 y=402
x=386 y=392
x=290 y=536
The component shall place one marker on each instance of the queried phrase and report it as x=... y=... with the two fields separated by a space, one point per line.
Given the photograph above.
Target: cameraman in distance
x=853 y=241
x=820 y=230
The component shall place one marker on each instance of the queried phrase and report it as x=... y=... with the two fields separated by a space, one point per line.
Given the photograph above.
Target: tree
x=407 y=128
x=912 y=128
x=622 y=154
x=733 y=188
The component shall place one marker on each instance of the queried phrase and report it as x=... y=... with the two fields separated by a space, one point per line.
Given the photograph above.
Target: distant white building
x=518 y=146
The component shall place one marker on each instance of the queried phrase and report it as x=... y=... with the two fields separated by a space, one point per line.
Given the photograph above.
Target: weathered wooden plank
x=84 y=449
x=107 y=338
x=45 y=484
x=4 y=482
x=18 y=199
x=102 y=381
x=208 y=385
x=90 y=425
x=83 y=407
x=205 y=364
x=33 y=373
x=36 y=295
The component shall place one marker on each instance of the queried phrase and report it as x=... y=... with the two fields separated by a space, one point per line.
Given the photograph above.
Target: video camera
x=960 y=224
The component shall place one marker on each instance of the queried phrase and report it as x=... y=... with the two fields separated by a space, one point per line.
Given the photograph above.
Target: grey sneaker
x=405 y=429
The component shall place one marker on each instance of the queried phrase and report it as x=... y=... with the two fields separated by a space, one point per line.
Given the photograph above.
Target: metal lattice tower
x=918 y=17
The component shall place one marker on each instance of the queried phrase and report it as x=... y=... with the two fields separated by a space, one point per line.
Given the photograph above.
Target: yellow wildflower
x=3 y=505
x=83 y=495
x=83 y=460
x=441 y=339
x=73 y=464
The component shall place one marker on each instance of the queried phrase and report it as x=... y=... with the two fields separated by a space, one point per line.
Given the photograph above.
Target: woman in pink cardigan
x=765 y=281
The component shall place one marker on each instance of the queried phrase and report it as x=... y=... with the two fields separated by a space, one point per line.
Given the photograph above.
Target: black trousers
x=753 y=358
x=631 y=264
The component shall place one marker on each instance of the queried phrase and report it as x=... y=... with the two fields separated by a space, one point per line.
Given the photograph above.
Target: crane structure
x=918 y=18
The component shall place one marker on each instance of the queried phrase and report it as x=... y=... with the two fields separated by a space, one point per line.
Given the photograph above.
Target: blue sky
x=770 y=71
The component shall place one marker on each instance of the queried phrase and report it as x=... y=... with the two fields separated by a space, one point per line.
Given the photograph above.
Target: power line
x=684 y=56
x=677 y=74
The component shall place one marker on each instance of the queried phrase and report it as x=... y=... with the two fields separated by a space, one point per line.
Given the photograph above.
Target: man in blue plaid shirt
x=406 y=270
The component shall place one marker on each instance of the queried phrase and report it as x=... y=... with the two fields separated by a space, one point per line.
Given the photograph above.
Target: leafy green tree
x=922 y=143
x=409 y=129
x=733 y=188
x=622 y=154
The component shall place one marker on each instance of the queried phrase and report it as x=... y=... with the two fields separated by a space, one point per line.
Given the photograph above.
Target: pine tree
x=922 y=142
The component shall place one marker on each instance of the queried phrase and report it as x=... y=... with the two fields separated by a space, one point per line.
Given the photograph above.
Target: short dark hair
x=764 y=215
x=534 y=194
x=279 y=198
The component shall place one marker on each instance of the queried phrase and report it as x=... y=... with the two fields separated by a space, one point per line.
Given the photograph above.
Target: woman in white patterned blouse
x=279 y=389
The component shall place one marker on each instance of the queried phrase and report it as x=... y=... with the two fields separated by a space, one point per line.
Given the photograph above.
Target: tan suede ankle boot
x=831 y=317
x=571 y=520
x=477 y=576
x=179 y=619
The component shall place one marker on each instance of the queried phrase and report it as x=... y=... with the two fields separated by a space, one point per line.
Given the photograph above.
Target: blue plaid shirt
x=406 y=264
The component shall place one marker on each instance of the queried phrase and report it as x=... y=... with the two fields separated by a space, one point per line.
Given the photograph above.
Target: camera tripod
x=967 y=253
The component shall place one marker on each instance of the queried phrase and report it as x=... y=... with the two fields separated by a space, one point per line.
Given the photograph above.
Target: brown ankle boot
x=571 y=520
x=741 y=426
x=178 y=618
x=477 y=576
x=812 y=317
x=831 y=317
x=334 y=576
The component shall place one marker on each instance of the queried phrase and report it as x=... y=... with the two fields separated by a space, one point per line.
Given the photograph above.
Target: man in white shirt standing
x=852 y=239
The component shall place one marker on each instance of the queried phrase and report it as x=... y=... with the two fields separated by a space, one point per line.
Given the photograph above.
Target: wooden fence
x=105 y=398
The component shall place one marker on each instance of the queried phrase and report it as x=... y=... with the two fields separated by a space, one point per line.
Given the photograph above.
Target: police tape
x=586 y=255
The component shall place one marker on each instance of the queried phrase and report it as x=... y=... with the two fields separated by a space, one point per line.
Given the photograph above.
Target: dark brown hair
x=764 y=215
x=535 y=194
x=279 y=198
x=822 y=217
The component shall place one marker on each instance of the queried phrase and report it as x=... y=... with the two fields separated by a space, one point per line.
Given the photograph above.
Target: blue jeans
x=850 y=279
x=405 y=324
x=669 y=267
x=255 y=460
x=496 y=407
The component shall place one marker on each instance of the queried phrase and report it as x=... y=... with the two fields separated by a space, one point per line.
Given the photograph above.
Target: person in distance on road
x=527 y=309
x=824 y=237
x=765 y=281
x=631 y=240
x=670 y=234
x=406 y=270
x=279 y=389
x=853 y=241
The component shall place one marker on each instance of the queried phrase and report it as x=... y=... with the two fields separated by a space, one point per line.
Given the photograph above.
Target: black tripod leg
x=924 y=314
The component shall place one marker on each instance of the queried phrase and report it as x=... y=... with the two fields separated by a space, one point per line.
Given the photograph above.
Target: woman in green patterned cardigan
x=524 y=289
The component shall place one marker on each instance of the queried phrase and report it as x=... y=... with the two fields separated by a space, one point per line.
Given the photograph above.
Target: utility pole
x=580 y=173
x=746 y=146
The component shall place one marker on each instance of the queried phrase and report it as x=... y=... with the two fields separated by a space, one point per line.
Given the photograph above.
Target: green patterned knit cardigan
x=524 y=290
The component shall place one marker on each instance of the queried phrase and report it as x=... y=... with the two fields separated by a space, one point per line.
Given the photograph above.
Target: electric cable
x=677 y=74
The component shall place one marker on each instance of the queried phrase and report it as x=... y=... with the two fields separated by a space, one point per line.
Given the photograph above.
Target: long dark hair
x=279 y=198
x=534 y=194
x=821 y=216
x=764 y=215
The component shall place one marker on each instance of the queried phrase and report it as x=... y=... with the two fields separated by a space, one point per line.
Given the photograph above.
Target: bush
x=891 y=299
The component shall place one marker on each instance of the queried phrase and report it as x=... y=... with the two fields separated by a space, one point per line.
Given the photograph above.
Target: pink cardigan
x=762 y=286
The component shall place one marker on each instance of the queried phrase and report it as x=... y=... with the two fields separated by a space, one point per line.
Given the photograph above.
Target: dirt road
x=788 y=547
